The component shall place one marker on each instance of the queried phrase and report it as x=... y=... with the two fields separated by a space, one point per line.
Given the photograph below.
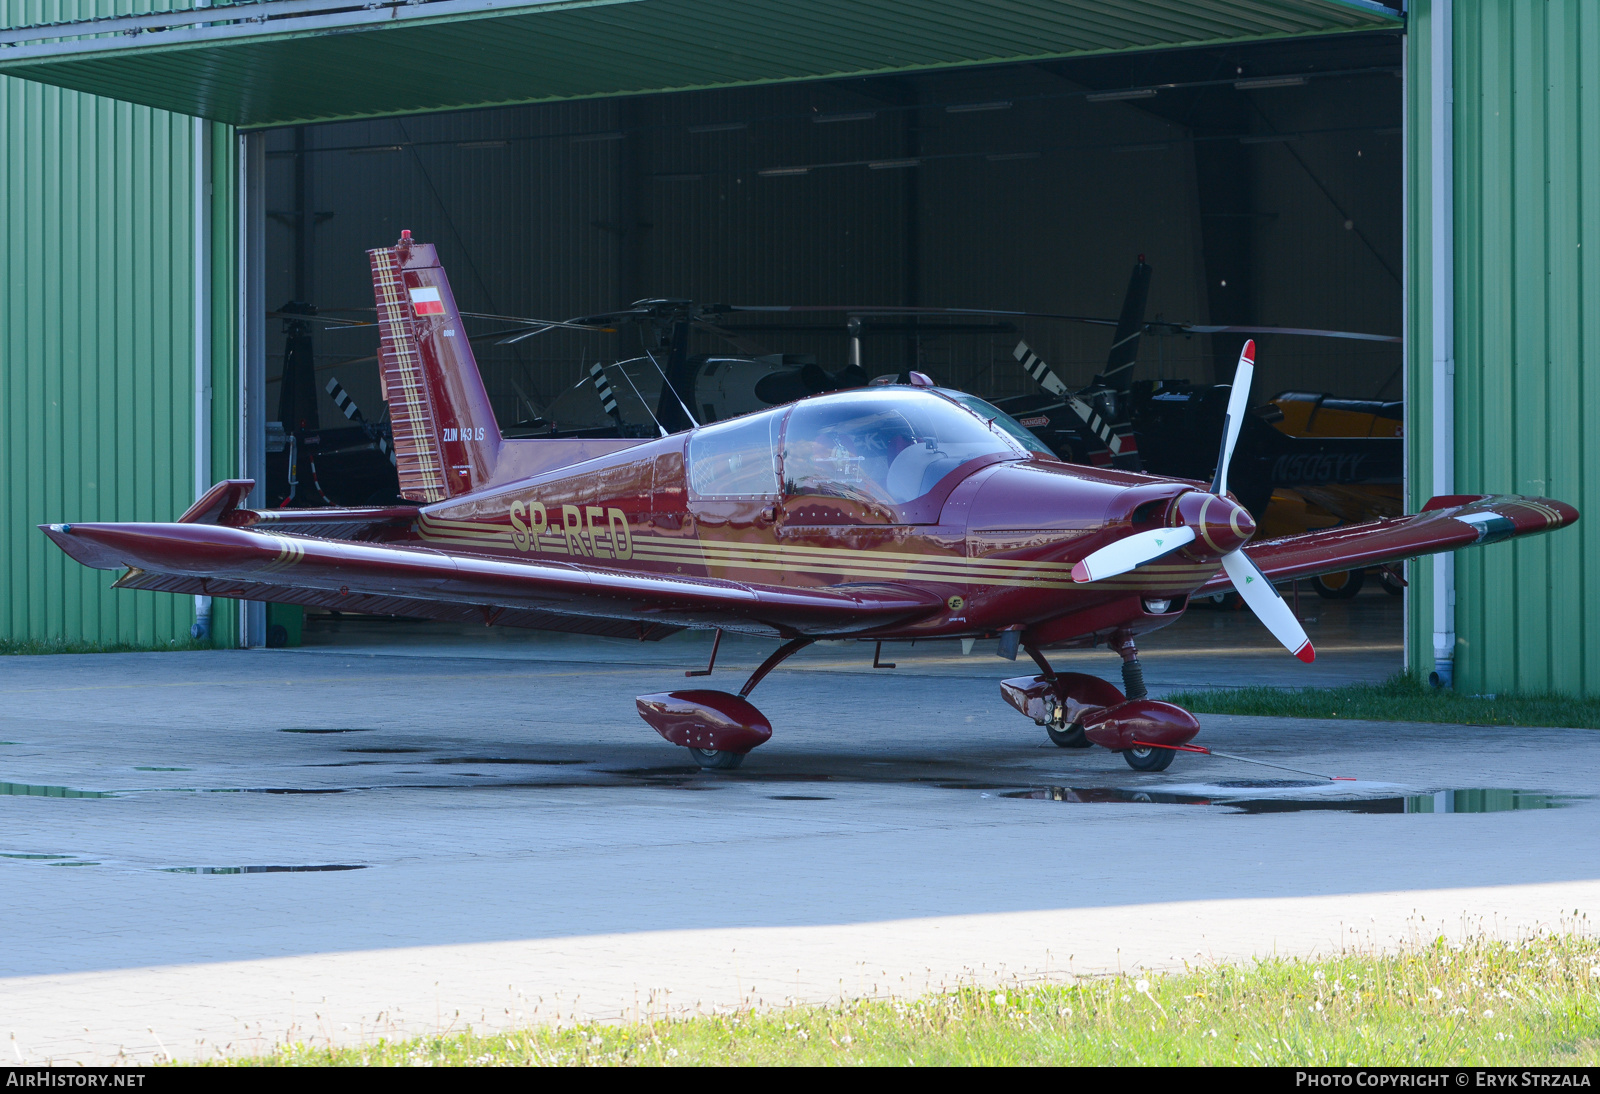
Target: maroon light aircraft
x=883 y=513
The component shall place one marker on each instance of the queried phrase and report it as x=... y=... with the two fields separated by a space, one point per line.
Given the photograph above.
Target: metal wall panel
x=405 y=59
x=96 y=349
x=1527 y=388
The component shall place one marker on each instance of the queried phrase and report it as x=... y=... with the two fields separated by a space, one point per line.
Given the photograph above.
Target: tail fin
x=1125 y=346
x=446 y=440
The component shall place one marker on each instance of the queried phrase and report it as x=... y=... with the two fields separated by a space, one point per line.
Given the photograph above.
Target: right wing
x=1445 y=524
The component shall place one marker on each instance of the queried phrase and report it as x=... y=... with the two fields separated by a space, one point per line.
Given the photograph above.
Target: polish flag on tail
x=426 y=301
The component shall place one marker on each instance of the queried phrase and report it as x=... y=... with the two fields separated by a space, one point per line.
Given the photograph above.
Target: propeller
x=1223 y=526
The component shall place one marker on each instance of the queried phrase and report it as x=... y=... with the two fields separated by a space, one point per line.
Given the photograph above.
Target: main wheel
x=1149 y=759
x=1073 y=736
x=712 y=759
x=1340 y=586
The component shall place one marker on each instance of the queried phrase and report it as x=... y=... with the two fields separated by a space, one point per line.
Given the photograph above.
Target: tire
x=1339 y=586
x=1149 y=759
x=711 y=759
x=1073 y=736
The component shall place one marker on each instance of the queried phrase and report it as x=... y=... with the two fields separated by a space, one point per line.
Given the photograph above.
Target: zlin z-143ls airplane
x=893 y=512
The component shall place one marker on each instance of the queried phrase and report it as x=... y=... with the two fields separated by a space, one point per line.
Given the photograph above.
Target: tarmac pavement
x=387 y=835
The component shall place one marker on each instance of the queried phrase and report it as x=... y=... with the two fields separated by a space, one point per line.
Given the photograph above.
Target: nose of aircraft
x=1220 y=525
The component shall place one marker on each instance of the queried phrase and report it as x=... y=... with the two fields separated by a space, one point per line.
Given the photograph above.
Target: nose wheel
x=1149 y=759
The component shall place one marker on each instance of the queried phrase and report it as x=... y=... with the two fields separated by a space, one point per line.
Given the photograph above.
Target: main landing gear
x=718 y=729
x=1078 y=711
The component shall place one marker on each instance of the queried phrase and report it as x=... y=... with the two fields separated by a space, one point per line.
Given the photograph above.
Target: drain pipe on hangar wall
x=1441 y=107
x=200 y=154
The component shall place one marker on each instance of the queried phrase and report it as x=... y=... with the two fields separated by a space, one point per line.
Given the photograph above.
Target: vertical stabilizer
x=446 y=440
x=1130 y=325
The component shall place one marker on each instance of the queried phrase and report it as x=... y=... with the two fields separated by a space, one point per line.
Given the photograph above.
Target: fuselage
x=992 y=528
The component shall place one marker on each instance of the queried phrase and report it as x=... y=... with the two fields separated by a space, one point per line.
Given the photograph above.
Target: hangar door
x=956 y=154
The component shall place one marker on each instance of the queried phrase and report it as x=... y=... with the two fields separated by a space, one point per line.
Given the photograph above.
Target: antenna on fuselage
x=642 y=400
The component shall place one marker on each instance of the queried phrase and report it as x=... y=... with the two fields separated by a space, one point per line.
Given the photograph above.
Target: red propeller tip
x=1080 y=572
x=1306 y=653
x=1249 y=352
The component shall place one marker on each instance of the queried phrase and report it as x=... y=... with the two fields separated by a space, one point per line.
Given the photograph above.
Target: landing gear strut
x=1144 y=758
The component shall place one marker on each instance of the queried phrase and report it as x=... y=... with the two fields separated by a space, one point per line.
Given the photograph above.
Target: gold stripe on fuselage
x=840 y=562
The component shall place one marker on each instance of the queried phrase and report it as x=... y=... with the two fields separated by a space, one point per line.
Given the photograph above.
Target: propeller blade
x=1255 y=590
x=1130 y=552
x=1238 y=403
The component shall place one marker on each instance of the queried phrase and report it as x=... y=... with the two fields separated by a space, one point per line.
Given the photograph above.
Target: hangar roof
x=277 y=62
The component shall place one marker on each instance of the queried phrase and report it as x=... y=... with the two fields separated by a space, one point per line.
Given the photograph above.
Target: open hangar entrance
x=1262 y=183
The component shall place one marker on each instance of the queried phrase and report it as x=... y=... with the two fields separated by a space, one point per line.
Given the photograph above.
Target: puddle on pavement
x=329 y=868
x=365 y=729
x=28 y=790
x=1253 y=796
x=502 y=760
x=1234 y=795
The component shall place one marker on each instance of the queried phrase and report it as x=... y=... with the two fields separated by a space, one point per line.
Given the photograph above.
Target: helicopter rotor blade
x=1046 y=378
x=1159 y=328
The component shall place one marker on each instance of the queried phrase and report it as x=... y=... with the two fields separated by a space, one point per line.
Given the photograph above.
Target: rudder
x=446 y=440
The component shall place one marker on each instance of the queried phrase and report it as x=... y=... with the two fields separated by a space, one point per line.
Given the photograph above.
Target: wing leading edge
x=1445 y=524
x=215 y=560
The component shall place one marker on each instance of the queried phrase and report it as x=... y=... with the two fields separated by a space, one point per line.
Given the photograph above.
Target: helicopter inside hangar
x=1262 y=182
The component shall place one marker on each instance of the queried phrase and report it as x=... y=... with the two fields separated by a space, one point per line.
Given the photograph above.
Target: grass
x=1480 y=1003
x=34 y=646
x=1401 y=698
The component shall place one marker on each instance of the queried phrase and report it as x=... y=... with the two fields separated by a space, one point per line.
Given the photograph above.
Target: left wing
x=1445 y=524
x=216 y=560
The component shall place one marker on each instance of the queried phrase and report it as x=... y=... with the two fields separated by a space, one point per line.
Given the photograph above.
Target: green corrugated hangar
x=172 y=176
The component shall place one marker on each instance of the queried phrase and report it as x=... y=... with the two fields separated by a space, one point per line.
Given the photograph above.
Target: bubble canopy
x=886 y=446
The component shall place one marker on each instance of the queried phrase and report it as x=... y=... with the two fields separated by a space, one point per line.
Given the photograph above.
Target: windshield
x=890 y=446
x=1000 y=420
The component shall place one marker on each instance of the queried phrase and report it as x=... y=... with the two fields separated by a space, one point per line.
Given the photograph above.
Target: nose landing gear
x=1077 y=711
